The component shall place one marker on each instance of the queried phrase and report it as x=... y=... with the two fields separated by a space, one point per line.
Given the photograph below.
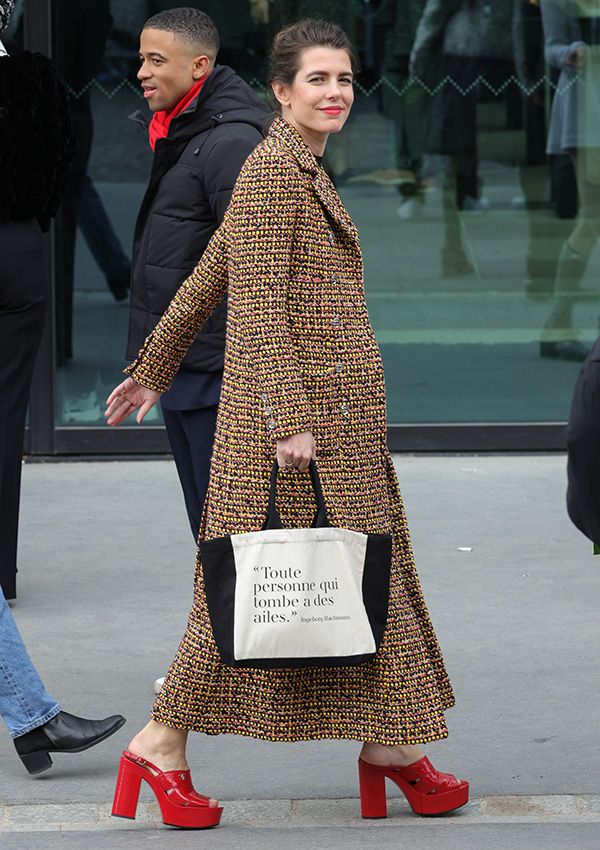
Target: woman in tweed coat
x=303 y=376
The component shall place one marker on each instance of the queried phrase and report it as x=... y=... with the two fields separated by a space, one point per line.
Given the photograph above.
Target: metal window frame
x=44 y=437
x=525 y=437
x=475 y=437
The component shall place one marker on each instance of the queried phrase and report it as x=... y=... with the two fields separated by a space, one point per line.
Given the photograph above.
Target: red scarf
x=161 y=120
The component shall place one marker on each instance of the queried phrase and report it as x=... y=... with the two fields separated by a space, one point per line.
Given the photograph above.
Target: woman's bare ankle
x=400 y=756
x=164 y=747
x=161 y=745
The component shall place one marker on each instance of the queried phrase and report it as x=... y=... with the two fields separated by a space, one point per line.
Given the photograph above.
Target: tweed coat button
x=271 y=424
x=267 y=410
x=335 y=278
x=339 y=367
x=331 y=237
x=264 y=397
x=345 y=409
x=335 y=321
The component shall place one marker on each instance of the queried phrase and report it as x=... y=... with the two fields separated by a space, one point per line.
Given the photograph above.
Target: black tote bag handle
x=273 y=519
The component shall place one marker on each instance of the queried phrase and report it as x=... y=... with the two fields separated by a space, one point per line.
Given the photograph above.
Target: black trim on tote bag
x=220 y=576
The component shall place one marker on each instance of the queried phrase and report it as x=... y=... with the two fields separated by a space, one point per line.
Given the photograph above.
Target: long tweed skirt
x=398 y=698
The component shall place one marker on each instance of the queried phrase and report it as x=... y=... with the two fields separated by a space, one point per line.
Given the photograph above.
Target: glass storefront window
x=95 y=49
x=470 y=165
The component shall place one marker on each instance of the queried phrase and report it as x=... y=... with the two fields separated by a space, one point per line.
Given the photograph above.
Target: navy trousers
x=191 y=434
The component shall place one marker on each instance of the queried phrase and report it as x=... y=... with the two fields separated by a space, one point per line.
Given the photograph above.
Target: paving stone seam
x=305 y=813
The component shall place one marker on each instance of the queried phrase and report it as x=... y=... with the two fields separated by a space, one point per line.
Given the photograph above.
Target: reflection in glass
x=470 y=164
x=572 y=31
x=96 y=57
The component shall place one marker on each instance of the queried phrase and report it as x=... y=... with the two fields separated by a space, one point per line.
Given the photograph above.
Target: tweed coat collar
x=325 y=190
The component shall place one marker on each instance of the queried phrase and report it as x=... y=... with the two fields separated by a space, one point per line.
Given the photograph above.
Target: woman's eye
x=316 y=80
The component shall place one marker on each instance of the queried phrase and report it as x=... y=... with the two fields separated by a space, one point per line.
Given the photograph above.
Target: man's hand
x=126 y=398
x=296 y=451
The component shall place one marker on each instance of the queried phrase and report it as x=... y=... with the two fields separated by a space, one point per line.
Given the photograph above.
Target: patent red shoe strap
x=426 y=779
x=176 y=783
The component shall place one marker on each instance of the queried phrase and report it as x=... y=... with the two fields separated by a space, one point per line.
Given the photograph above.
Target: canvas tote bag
x=297 y=597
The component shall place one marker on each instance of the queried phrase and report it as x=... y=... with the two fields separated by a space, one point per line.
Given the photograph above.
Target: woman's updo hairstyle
x=290 y=43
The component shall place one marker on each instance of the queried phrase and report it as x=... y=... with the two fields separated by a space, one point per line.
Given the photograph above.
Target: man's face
x=169 y=68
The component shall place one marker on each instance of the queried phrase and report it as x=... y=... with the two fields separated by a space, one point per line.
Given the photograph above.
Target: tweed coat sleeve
x=262 y=221
x=163 y=350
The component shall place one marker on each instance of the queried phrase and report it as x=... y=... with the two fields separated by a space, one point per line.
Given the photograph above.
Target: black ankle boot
x=65 y=733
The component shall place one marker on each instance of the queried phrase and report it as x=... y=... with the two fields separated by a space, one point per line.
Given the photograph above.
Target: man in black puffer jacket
x=206 y=122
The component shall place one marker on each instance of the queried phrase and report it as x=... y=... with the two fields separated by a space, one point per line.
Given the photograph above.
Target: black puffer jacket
x=193 y=174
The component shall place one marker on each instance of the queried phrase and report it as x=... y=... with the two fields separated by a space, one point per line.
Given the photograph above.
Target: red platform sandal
x=427 y=791
x=179 y=803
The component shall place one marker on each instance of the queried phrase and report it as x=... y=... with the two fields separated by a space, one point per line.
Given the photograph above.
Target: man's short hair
x=191 y=25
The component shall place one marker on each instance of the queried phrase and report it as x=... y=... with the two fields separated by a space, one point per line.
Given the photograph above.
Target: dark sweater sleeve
x=36 y=138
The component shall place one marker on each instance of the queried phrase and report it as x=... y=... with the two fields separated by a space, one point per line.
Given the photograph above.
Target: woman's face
x=319 y=100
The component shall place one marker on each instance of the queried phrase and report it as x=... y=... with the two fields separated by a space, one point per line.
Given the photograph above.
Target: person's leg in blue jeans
x=25 y=704
x=34 y=719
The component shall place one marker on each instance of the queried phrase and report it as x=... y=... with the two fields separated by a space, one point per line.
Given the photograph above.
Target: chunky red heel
x=180 y=805
x=427 y=791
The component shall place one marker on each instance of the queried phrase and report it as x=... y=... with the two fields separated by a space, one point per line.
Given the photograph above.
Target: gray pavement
x=104 y=589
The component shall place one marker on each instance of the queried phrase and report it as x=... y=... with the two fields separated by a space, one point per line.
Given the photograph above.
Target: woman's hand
x=126 y=398
x=577 y=57
x=296 y=451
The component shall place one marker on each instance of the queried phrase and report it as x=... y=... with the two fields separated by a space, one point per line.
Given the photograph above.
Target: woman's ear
x=281 y=92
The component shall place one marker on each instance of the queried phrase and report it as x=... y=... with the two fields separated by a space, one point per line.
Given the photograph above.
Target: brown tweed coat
x=300 y=355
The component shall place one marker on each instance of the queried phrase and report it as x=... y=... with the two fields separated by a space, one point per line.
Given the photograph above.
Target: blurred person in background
x=80 y=31
x=36 y=146
x=572 y=33
x=462 y=40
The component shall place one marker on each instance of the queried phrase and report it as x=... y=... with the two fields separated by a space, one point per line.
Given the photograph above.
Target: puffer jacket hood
x=224 y=98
